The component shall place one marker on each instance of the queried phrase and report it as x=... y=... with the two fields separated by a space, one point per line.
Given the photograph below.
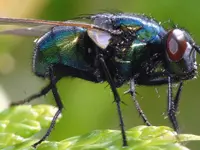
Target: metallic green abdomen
x=62 y=45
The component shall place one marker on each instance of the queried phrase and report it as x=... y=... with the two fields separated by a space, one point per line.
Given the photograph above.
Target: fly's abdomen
x=61 y=45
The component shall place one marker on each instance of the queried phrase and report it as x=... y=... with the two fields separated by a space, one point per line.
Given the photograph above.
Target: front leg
x=164 y=78
x=157 y=78
x=171 y=111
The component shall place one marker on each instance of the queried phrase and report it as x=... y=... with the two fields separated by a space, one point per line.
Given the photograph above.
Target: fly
x=116 y=48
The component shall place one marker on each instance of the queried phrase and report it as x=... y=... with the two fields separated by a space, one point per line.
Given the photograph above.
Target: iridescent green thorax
x=129 y=60
x=141 y=38
x=133 y=60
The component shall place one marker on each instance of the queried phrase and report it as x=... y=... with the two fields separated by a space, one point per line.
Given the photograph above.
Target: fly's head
x=181 y=54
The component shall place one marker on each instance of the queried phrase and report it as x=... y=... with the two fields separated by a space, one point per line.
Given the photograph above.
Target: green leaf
x=20 y=125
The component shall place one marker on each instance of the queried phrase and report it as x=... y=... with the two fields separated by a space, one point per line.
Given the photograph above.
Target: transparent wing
x=38 y=27
x=30 y=31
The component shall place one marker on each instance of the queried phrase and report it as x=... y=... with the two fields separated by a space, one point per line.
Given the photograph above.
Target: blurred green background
x=89 y=106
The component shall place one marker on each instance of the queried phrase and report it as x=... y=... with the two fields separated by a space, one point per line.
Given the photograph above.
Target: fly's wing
x=101 y=36
x=37 y=28
x=33 y=27
x=30 y=31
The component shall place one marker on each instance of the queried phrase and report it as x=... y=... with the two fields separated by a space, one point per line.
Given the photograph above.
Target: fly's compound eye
x=177 y=45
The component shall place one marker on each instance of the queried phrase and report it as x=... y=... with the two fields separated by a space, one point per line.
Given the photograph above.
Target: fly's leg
x=177 y=98
x=58 y=102
x=116 y=96
x=160 y=79
x=171 y=111
x=137 y=105
x=157 y=78
x=43 y=92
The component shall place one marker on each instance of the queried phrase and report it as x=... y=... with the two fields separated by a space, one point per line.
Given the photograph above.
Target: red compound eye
x=176 y=44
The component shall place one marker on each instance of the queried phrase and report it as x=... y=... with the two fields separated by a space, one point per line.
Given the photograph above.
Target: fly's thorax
x=129 y=61
x=180 y=54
